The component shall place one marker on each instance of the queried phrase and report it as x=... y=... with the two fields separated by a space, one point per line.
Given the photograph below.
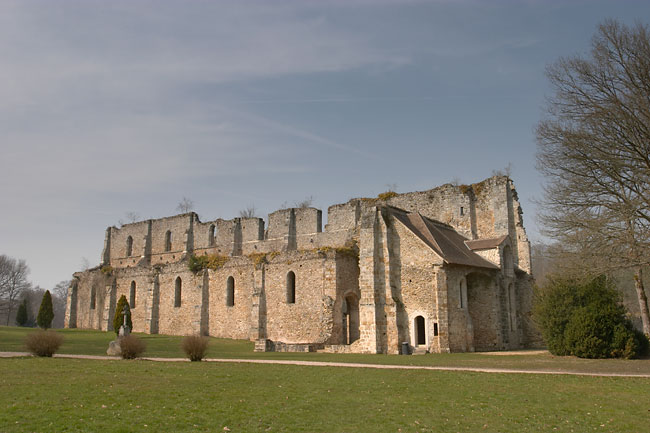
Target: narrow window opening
x=132 y=295
x=462 y=293
x=435 y=329
x=168 y=241
x=211 y=240
x=129 y=246
x=177 y=292
x=92 y=298
x=230 y=292
x=291 y=288
x=462 y=211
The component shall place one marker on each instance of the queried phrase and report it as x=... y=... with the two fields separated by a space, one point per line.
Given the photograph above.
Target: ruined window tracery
x=177 y=292
x=291 y=288
x=230 y=292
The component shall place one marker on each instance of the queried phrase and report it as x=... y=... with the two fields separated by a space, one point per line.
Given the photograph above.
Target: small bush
x=195 y=347
x=132 y=347
x=43 y=343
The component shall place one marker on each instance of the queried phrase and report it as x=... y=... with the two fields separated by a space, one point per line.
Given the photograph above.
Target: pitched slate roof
x=485 y=244
x=441 y=238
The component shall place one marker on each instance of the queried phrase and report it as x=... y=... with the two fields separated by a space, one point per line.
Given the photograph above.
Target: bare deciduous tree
x=13 y=281
x=185 y=205
x=594 y=148
x=249 y=212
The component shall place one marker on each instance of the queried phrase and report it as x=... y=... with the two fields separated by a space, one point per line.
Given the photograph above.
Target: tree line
x=17 y=293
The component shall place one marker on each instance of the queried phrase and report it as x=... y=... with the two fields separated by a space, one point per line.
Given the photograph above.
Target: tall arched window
x=230 y=292
x=211 y=239
x=168 y=240
x=177 y=292
x=132 y=295
x=462 y=293
x=93 y=297
x=129 y=246
x=291 y=288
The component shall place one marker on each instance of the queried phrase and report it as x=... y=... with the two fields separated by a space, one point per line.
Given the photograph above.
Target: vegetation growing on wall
x=211 y=261
x=107 y=269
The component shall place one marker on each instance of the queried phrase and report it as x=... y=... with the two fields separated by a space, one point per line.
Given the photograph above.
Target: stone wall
x=365 y=283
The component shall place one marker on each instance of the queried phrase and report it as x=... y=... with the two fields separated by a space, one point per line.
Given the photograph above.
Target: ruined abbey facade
x=446 y=270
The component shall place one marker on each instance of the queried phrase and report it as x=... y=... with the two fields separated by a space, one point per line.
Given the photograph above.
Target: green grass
x=92 y=342
x=59 y=394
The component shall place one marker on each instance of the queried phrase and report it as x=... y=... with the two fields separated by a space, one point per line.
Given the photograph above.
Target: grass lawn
x=92 y=342
x=59 y=394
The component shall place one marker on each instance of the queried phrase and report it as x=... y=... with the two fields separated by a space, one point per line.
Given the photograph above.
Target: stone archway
x=350 y=325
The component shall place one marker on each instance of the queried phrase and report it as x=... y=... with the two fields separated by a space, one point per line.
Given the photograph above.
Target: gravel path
x=346 y=364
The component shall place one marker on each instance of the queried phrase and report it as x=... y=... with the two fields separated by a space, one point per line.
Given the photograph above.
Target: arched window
x=291 y=288
x=420 y=331
x=177 y=292
x=129 y=246
x=462 y=293
x=93 y=297
x=168 y=240
x=211 y=239
x=230 y=292
x=132 y=295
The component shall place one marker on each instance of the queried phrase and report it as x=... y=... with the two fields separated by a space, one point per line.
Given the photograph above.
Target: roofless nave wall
x=446 y=269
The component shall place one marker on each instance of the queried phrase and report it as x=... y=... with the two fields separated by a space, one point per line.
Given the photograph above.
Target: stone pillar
x=372 y=285
x=71 y=305
x=258 y=308
x=442 y=309
x=204 y=327
x=152 y=306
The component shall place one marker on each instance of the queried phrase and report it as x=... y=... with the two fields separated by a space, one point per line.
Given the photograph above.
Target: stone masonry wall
x=394 y=279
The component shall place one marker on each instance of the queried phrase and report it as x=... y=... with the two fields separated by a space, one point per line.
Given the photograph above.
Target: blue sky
x=109 y=107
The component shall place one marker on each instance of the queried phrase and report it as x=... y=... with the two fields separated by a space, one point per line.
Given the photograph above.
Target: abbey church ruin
x=446 y=270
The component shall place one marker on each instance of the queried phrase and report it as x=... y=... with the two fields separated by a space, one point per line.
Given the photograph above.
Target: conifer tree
x=118 y=320
x=21 y=316
x=45 y=312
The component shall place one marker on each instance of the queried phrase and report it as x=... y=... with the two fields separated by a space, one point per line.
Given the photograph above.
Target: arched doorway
x=420 y=331
x=350 y=325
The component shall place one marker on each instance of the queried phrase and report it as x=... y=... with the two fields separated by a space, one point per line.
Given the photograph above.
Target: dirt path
x=346 y=364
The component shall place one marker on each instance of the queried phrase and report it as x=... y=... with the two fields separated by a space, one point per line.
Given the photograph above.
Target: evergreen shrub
x=586 y=320
x=45 y=312
x=118 y=319
x=22 y=317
